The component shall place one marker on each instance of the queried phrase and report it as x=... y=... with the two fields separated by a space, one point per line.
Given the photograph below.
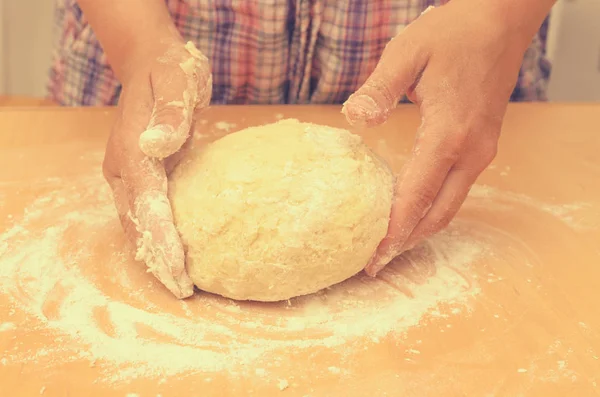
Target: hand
x=163 y=90
x=459 y=64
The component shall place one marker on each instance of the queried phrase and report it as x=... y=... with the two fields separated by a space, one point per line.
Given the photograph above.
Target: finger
x=400 y=65
x=445 y=206
x=177 y=96
x=159 y=244
x=411 y=93
x=112 y=175
x=453 y=193
x=120 y=199
x=123 y=167
x=172 y=161
x=436 y=151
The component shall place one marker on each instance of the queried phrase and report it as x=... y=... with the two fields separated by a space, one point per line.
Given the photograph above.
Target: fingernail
x=369 y=267
x=360 y=108
x=371 y=260
x=383 y=261
x=377 y=268
x=152 y=140
x=374 y=266
x=364 y=104
x=159 y=141
x=157 y=133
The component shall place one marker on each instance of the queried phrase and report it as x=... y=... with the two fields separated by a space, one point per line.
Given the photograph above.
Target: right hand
x=162 y=92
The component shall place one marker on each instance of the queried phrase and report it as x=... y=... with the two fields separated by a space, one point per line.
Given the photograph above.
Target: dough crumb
x=283 y=384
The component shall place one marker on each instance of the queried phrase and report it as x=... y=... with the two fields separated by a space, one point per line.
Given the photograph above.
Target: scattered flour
x=7 y=326
x=57 y=284
x=260 y=372
x=224 y=126
x=566 y=213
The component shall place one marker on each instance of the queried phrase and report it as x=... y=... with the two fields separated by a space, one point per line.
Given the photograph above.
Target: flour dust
x=64 y=264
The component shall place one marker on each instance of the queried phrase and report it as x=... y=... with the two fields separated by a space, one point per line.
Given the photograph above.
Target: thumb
x=400 y=65
x=169 y=125
x=177 y=94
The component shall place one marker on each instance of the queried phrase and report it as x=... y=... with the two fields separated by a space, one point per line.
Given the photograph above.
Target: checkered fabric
x=266 y=51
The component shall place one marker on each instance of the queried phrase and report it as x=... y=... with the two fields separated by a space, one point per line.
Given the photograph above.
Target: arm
x=523 y=17
x=128 y=29
x=462 y=81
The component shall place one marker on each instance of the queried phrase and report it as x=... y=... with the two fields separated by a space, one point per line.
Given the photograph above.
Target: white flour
x=566 y=213
x=7 y=326
x=130 y=334
x=57 y=285
x=224 y=126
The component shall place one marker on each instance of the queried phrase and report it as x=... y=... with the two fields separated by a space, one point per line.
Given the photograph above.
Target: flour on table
x=126 y=332
x=57 y=286
x=7 y=326
x=566 y=213
x=224 y=126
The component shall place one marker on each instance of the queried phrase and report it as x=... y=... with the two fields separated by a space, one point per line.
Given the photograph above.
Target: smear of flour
x=567 y=213
x=203 y=130
x=135 y=337
x=224 y=126
x=7 y=326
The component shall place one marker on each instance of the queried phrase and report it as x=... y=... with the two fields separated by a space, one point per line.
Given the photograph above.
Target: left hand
x=459 y=64
x=165 y=87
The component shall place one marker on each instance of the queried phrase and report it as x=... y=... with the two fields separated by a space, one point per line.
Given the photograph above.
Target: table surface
x=502 y=303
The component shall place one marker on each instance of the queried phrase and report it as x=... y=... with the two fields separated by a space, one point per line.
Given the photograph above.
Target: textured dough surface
x=280 y=210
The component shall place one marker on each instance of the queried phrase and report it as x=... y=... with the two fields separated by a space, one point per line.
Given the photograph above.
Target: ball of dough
x=280 y=210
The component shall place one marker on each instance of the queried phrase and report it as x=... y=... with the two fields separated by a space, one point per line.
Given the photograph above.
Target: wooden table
x=503 y=303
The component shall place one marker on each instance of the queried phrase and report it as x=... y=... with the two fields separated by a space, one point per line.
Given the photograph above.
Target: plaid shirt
x=267 y=51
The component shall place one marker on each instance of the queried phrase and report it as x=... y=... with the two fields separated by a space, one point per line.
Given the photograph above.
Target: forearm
x=526 y=14
x=128 y=30
x=521 y=17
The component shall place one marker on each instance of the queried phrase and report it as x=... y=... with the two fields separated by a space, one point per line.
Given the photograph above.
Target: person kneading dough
x=280 y=210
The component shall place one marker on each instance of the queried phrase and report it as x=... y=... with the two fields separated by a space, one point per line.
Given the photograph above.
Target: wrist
x=144 y=50
x=129 y=31
x=519 y=19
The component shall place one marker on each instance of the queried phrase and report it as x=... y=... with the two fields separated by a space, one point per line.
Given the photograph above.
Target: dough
x=281 y=210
